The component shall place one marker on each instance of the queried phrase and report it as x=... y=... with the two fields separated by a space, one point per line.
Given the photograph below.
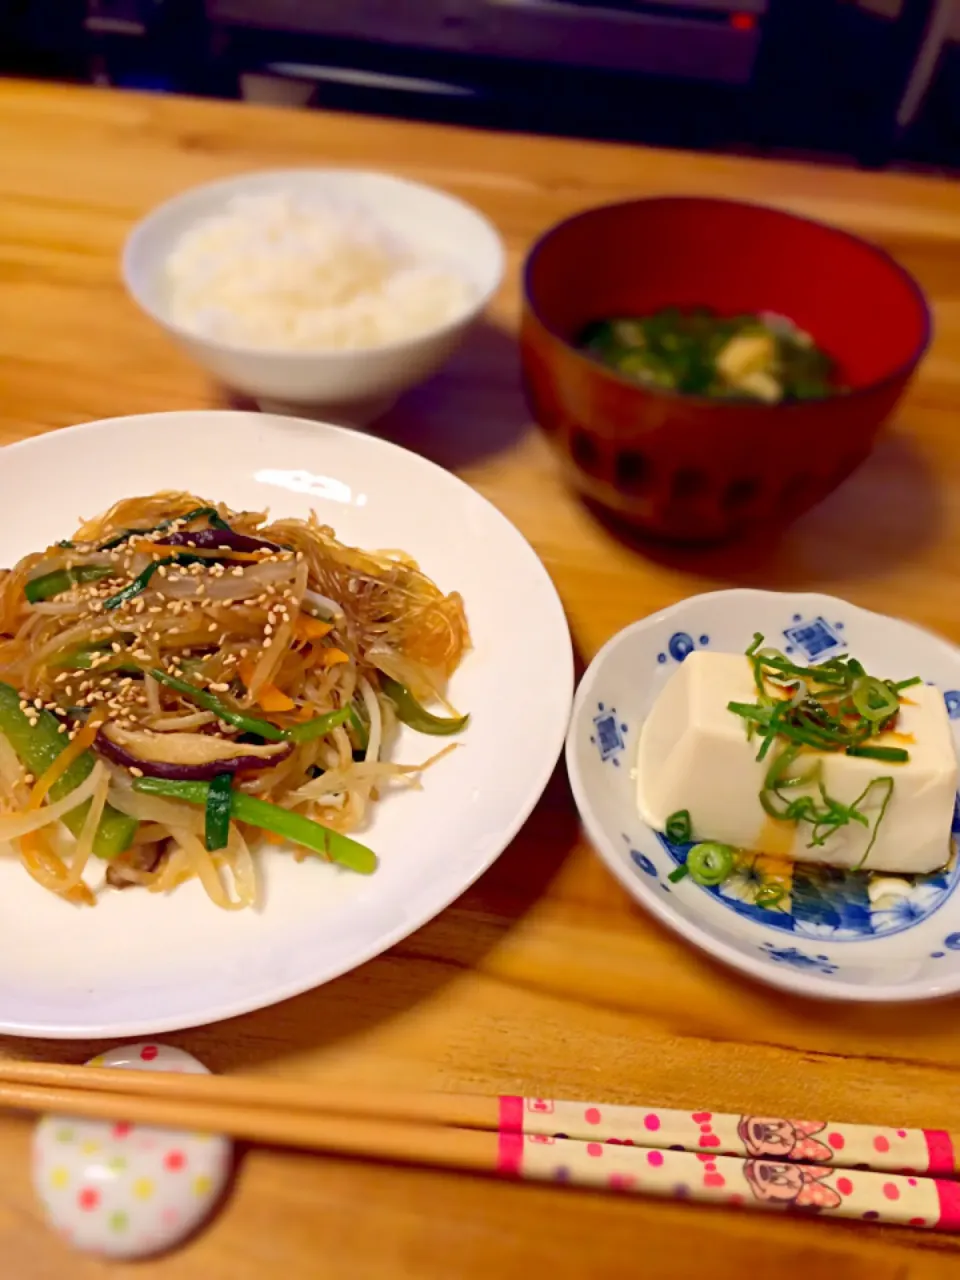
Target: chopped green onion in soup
x=760 y=357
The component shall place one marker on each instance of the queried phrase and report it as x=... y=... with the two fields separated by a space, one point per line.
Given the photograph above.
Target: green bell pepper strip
x=319 y=727
x=249 y=724
x=79 y=659
x=210 y=512
x=52 y=584
x=37 y=747
x=270 y=817
x=417 y=717
x=219 y=796
x=359 y=727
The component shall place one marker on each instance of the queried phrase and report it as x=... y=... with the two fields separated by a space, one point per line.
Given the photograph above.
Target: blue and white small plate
x=834 y=934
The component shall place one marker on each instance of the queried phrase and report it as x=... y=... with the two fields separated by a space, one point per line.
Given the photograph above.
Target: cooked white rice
x=278 y=271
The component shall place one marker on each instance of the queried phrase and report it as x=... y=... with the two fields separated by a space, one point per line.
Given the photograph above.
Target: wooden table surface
x=544 y=978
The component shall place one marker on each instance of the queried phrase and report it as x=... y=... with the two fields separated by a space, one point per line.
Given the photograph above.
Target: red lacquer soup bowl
x=686 y=467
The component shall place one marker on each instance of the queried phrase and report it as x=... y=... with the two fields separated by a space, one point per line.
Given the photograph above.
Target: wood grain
x=544 y=978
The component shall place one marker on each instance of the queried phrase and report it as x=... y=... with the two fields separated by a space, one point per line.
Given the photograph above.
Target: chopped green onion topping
x=710 y=863
x=893 y=755
x=679 y=829
x=874 y=700
x=833 y=707
x=769 y=895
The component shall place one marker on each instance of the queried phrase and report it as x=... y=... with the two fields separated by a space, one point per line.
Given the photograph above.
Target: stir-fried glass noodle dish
x=179 y=680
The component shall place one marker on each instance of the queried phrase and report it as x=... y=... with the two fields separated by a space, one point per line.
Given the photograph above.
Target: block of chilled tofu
x=693 y=754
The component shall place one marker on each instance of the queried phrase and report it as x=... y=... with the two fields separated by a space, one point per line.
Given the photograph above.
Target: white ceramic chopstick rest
x=126 y=1190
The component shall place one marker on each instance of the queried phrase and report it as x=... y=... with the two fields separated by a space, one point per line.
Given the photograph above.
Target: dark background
x=824 y=78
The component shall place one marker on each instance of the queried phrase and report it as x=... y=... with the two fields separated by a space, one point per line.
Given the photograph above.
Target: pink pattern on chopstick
x=729 y=1180
x=510 y=1147
x=772 y=1138
x=939 y=1151
x=949 y=1194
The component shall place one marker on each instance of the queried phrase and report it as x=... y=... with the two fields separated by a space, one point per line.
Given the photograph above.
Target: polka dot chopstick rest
x=123 y=1190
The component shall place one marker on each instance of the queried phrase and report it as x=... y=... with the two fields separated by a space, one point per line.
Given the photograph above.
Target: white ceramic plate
x=827 y=937
x=138 y=963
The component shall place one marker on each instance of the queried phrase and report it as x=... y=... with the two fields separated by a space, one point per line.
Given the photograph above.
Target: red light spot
x=174 y=1160
x=88 y=1199
x=121 y=1130
x=743 y=21
x=149 y=1052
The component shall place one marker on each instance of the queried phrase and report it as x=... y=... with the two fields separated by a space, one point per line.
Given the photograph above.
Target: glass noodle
x=172 y=640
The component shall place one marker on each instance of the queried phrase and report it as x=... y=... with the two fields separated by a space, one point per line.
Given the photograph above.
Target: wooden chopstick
x=834 y=1144
x=611 y=1165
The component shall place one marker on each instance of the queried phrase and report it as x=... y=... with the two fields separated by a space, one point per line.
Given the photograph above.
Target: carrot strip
x=307 y=628
x=64 y=760
x=206 y=553
x=271 y=698
x=331 y=657
x=274 y=699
